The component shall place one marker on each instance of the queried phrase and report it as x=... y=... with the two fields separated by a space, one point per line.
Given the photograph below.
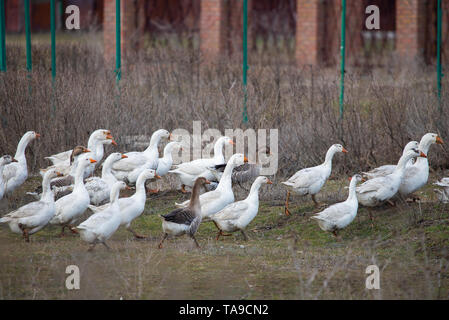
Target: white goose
x=188 y=172
x=387 y=169
x=165 y=163
x=311 y=180
x=102 y=225
x=132 y=207
x=213 y=201
x=131 y=167
x=7 y=159
x=15 y=173
x=99 y=189
x=417 y=174
x=443 y=195
x=70 y=207
x=237 y=215
x=377 y=191
x=33 y=216
x=64 y=157
x=340 y=215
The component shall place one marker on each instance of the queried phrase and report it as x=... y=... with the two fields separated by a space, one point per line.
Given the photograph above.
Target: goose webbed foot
x=162 y=241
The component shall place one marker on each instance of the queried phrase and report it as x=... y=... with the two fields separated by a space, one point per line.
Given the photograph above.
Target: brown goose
x=185 y=220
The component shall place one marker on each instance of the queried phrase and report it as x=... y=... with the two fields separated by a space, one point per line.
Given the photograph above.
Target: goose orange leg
x=286 y=211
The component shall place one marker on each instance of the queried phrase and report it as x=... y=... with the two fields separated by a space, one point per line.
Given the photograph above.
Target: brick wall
x=14 y=20
x=409 y=27
x=308 y=32
x=212 y=28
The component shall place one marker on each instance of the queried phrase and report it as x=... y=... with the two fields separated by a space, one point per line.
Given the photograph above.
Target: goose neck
x=218 y=150
x=329 y=156
x=23 y=143
x=352 y=190
x=47 y=193
x=226 y=178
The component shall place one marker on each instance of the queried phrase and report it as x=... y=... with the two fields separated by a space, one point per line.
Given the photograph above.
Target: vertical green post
x=245 y=59
x=26 y=4
x=439 y=71
x=2 y=36
x=342 y=53
x=53 y=39
x=118 y=62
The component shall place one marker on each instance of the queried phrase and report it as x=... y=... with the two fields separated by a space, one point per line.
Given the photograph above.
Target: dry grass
x=167 y=88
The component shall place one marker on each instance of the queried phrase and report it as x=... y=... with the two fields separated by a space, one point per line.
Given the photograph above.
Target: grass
x=285 y=258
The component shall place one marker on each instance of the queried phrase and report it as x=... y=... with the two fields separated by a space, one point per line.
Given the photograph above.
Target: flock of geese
x=69 y=188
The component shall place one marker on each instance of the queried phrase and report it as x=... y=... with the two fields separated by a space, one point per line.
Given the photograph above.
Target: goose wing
x=180 y=216
x=232 y=211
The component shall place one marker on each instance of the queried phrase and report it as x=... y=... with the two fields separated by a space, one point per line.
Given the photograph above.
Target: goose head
x=149 y=174
x=263 y=179
x=412 y=153
x=431 y=138
x=225 y=140
x=102 y=134
x=7 y=159
x=238 y=159
x=357 y=178
x=116 y=156
x=171 y=146
x=162 y=133
x=410 y=145
x=85 y=161
x=338 y=148
x=30 y=136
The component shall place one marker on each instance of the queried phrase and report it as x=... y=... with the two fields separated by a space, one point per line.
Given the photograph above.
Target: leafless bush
x=167 y=88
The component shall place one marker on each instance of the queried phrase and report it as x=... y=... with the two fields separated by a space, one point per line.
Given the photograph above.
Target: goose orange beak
x=344 y=150
x=232 y=142
x=128 y=188
x=113 y=142
x=245 y=159
x=207 y=182
x=157 y=176
x=170 y=137
x=59 y=174
x=439 y=140
x=14 y=160
x=124 y=156
x=269 y=181
x=37 y=135
x=92 y=160
x=421 y=154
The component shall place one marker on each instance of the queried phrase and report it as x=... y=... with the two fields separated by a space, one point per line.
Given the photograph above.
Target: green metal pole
x=2 y=36
x=53 y=39
x=439 y=72
x=245 y=59
x=342 y=53
x=118 y=62
x=26 y=4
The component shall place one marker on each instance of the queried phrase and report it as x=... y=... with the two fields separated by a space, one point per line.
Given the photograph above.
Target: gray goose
x=185 y=220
